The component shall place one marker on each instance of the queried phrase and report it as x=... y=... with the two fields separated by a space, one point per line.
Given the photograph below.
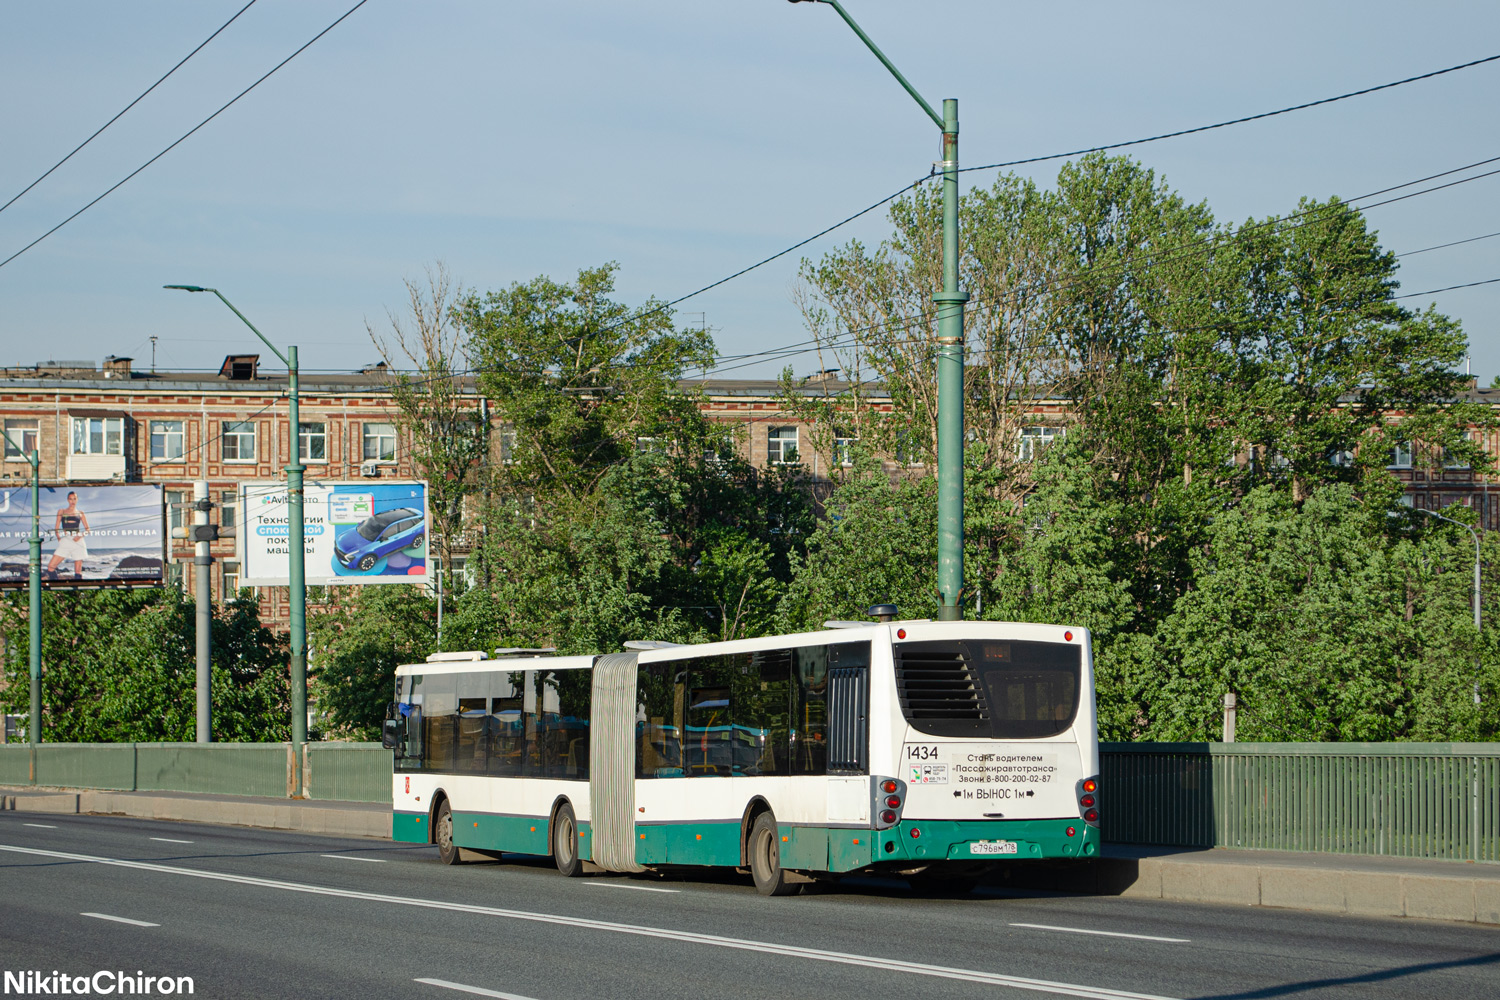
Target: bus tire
x=442 y=832
x=765 y=859
x=565 y=842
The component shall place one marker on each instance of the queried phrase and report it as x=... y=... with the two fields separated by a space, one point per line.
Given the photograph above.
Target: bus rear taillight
x=1088 y=800
x=887 y=801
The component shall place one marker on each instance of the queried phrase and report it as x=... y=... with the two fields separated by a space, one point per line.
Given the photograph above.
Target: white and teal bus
x=928 y=750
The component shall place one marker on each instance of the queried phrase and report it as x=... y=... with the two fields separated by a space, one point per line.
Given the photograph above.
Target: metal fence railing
x=348 y=772
x=1413 y=800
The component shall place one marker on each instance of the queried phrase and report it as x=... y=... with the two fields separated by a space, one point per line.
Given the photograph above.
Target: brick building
x=112 y=423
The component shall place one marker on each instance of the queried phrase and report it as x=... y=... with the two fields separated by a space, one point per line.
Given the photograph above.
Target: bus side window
x=440 y=721
x=762 y=684
x=567 y=726
x=709 y=746
x=507 y=744
x=659 y=754
x=810 y=711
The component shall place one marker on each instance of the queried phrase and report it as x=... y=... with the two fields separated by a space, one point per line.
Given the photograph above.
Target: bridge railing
x=1419 y=800
x=1413 y=800
x=347 y=772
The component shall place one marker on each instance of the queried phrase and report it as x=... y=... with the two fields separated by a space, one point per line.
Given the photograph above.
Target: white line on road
x=608 y=927
x=627 y=885
x=1080 y=930
x=41 y=826
x=120 y=920
x=477 y=991
x=350 y=857
x=169 y=840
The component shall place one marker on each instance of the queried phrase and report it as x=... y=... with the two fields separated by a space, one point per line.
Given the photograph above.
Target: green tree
x=358 y=643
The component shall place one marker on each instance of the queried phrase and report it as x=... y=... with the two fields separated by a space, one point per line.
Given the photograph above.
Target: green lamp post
x=296 y=572
x=950 y=339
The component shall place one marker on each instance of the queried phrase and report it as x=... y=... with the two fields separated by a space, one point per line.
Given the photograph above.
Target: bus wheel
x=443 y=829
x=765 y=859
x=565 y=842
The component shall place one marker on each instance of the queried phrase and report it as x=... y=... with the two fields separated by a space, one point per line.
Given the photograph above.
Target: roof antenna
x=883 y=612
x=153 y=355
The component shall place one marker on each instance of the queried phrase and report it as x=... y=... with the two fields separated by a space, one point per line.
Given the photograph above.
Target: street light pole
x=296 y=573
x=1475 y=535
x=34 y=586
x=950 y=340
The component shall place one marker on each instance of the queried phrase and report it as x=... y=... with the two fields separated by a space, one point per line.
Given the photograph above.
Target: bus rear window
x=987 y=688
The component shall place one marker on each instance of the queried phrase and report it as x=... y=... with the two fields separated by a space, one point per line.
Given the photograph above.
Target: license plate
x=993 y=847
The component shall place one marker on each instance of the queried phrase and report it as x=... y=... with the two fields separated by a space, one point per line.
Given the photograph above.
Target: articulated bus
x=930 y=751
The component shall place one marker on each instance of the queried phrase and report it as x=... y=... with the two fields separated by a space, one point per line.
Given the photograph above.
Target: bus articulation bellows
x=928 y=750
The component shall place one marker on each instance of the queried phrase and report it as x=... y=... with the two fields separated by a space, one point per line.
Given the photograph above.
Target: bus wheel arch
x=438 y=798
x=753 y=809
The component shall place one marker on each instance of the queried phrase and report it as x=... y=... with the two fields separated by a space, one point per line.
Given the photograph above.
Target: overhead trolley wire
x=185 y=135
x=127 y=107
x=1060 y=156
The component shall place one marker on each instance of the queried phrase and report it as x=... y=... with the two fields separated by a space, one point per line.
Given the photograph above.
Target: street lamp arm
x=263 y=340
x=881 y=56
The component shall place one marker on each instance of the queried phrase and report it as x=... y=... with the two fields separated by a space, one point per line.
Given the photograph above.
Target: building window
x=1034 y=440
x=229 y=502
x=239 y=441
x=650 y=446
x=1400 y=457
x=21 y=438
x=98 y=435
x=177 y=510
x=1452 y=461
x=507 y=446
x=231 y=581
x=166 y=440
x=380 y=442
x=1343 y=458
x=781 y=445
x=312 y=442
x=843 y=447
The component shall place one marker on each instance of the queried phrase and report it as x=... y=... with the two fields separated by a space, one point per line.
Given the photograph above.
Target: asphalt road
x=263 y=914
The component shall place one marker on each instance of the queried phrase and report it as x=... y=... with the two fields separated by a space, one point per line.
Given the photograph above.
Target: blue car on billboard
x=378 y=536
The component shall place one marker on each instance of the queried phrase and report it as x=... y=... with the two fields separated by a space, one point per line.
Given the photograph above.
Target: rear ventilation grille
x=937 y=685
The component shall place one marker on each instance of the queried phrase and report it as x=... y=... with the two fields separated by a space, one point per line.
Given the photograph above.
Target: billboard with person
x=91 y=535
x=353 y=533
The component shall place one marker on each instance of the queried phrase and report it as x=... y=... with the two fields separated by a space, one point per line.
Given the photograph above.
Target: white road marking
x=608 y=927
x=169 y=840
x=627 y=885
x=120 y=920
x=1080 y=930
x=477 y=991
x=351 y=857
x=41 y=826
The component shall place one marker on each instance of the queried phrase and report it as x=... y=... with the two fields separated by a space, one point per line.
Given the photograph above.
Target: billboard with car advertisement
x=353 y=533
x=92 y=536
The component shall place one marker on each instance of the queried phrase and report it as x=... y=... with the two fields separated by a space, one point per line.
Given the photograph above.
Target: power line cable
x=127 y=107
x=1444 y=246
x=1060 y=156
x=1236 y=121
x=184 y=136
x=1434 y=291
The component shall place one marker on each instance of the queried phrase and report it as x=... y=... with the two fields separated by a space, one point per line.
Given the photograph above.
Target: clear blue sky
x=683 y=140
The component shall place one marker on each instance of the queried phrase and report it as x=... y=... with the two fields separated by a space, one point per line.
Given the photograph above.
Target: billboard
x=92 y=536
x=353 y=533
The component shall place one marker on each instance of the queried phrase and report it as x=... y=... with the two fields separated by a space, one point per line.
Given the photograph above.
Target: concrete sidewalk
x=1331 y=883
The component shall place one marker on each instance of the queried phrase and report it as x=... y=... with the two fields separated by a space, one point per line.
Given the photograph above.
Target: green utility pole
x=296 y=573
x=950 y=339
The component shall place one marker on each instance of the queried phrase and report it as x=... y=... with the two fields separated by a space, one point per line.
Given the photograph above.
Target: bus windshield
x=989 y=689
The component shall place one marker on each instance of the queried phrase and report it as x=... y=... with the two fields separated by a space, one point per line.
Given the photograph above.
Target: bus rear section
x=992 y=750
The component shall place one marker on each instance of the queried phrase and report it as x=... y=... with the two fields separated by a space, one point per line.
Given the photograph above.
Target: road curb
x=1321 y=883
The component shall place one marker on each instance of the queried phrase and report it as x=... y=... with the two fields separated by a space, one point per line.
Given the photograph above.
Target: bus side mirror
x=390 y=734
